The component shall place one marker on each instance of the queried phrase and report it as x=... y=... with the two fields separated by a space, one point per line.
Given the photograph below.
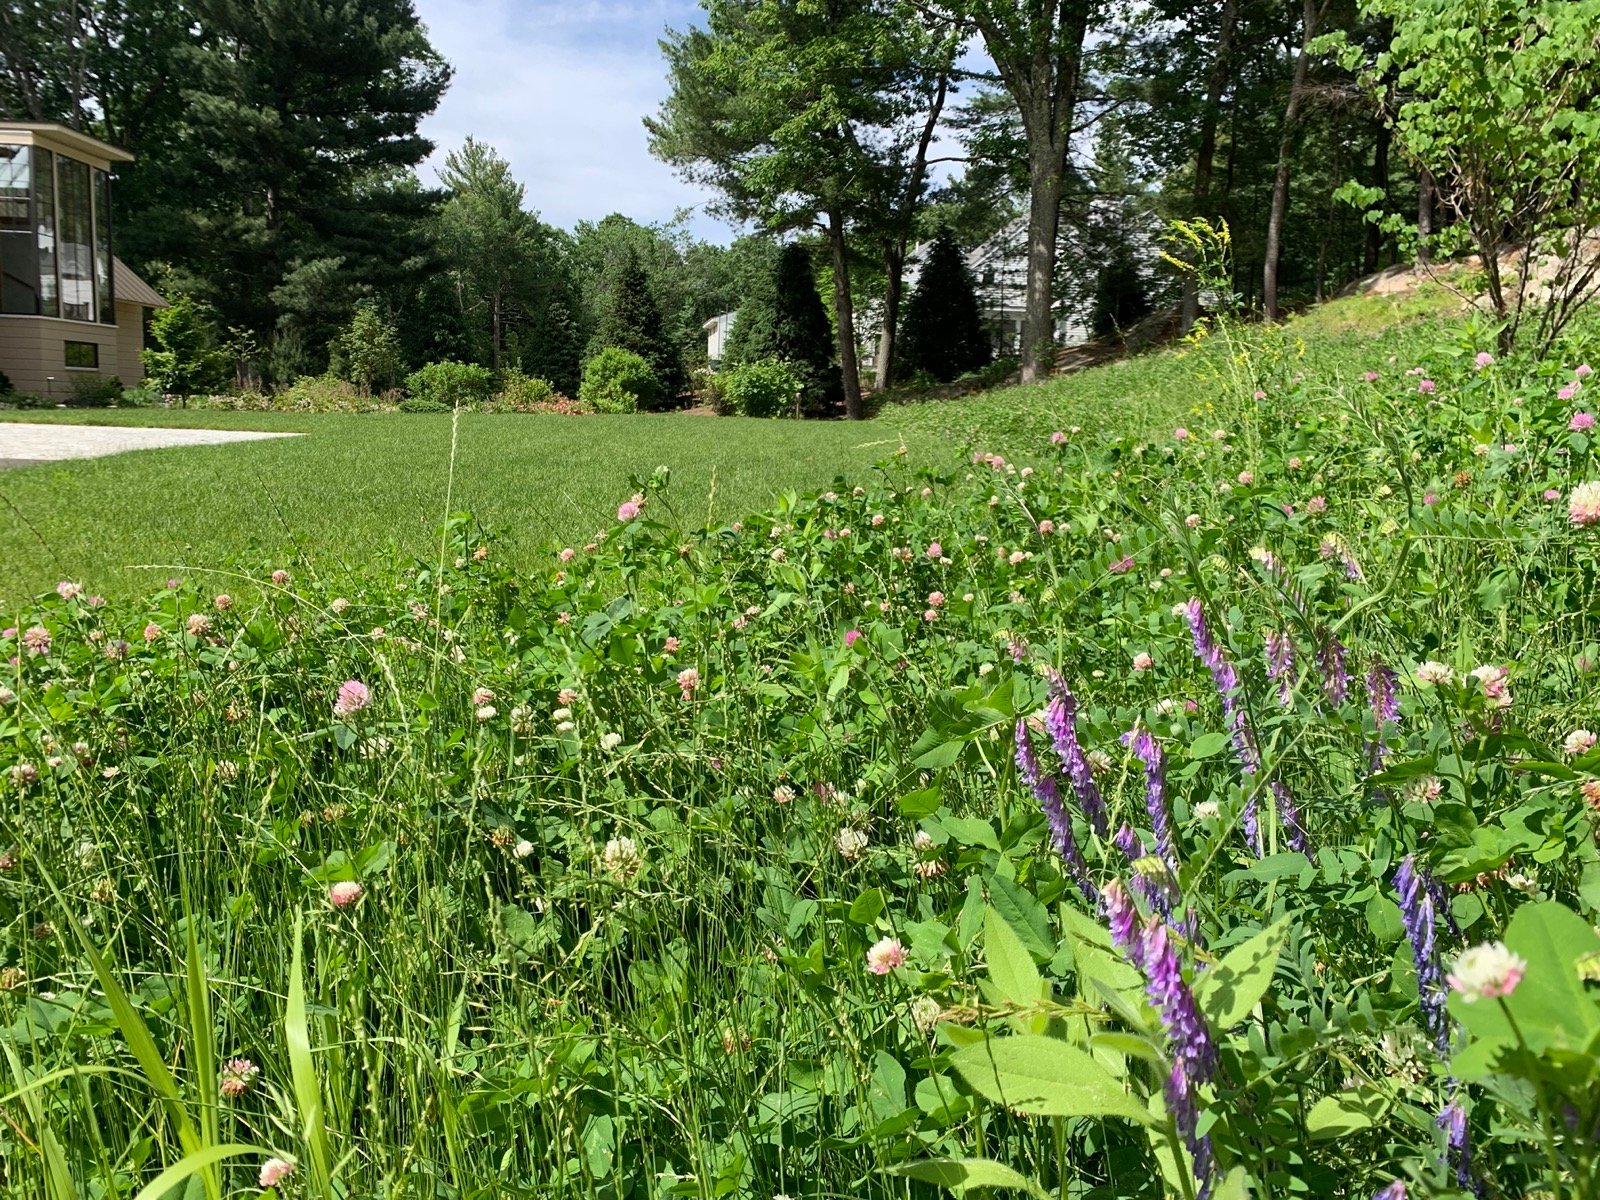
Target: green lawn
x=354 y=485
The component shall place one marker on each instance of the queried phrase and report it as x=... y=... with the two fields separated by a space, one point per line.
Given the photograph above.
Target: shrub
x=185 y=359
x=448 y=385
x=769 y=388
x=942 y=333
x=29 y=400
x=366 y=352
x=94 y=392
x=619 y=381
x=6 y=387
x=139 y=396
x=519 y=392
x=421 y=404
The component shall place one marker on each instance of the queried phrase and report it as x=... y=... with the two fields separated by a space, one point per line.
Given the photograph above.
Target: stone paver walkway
x=23 y=444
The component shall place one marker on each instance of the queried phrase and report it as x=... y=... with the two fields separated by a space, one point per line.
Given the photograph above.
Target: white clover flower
x=1579 y=741
x=925 y=1012
x=1435 y=673
x=1207 y=810
x=486 y=712
x=1487 y=971
x=523 y=849
x=621 y=858
x=852 y=843
x=610 y=741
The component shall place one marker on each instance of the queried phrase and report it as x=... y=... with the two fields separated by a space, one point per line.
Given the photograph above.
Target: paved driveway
x=23 y=444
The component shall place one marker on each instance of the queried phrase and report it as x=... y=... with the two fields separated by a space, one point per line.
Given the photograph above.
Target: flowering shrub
x=1210 y=814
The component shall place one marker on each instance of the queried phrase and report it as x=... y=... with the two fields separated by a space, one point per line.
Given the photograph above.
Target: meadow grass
x=353 y=486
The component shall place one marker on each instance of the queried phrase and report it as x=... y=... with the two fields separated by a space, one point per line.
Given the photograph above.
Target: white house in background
x=717 y=329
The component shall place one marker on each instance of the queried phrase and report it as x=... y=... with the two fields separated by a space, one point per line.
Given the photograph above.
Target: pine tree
x=788 y=321
x=1120 y=299
x=631 y=319
x=943 y=332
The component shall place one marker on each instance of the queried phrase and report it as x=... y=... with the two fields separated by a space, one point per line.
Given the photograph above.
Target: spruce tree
x=788 y=321
x=631 y=318
x=943 y=332
x=1120 y=299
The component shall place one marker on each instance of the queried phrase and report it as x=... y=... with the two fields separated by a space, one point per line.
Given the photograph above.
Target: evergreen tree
x=787 y=321
x=1120 y=299
x=943 y=332
x=631 y=318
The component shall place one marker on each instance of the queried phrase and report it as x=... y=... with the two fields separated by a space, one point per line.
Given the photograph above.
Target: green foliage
x=767 y=388
x=185 y=358
x=943 y=331
x=442 y=386
x=366 y=352
x=619 y=381
x=523 y=391
x=6 y=386
x=94 y=392
x=784 y=319
x=630 y=319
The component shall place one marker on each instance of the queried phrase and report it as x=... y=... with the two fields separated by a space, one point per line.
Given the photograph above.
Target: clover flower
x=1492 y=679
x=852 y=843
x=1435 y=674
x=1487 y=971
x=36 y=641
x=274 y=1171
x=1583 y=505
x=1579 y=741
x=237 y=1077
x=352 y=698
x=344 y=893
x=688 y=681
x=1048 y=794
x=68 y=590
x=885 y=955
x=621 y=858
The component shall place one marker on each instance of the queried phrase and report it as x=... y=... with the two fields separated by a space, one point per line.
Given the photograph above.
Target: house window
x=44 y=219
x=75 y=202
x=19 y=280
x=102 y=248
x=85 y=355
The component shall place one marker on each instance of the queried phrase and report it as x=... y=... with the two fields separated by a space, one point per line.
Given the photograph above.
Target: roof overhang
x=49 y=132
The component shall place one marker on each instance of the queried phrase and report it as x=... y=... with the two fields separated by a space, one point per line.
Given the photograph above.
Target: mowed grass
x=351 y=487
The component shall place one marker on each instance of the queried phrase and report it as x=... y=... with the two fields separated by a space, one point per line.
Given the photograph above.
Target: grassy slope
x=355 y=484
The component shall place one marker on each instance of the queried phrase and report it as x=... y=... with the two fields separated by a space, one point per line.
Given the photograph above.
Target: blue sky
x=559 y=89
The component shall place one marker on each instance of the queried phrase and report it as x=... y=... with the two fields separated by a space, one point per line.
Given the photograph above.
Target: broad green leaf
x=1045 y=1077
x=971 y=831
x=1346 y=1113
x=1021 y=910
x=959 y=1174
x=1551 y=1005
x=867 y=907
x=1011 y=968
x=1206 y=745
x=1229 y=992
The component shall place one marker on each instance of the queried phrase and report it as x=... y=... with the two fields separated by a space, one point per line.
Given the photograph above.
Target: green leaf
x=1551 y=1005
x=959 y=1174
x=1230 y=991
x=867 y=907
x=970 y=831
x=1206 y=745
x=1346 y=1113
x=1011 y=968
x=1027 y=917
x=193 y=1164
x=940 y=756
x=1045 y=1077
x=306 y=1089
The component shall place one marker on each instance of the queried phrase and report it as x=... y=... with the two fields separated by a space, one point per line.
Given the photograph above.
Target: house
x=69 y=308
x=717 y=329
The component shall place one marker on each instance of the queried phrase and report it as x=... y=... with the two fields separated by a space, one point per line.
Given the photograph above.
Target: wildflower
x=352 y=698
x=1148 y=750
x=925 y=1011
x=1048 y=794
x=1583 y=505
x=1194 y=1053
x=610 y=741
x=852 y=843
x=275 y=1170
x=885 y=955
x=1192 y=520
x=1590 y=790
x=621 y=858
x=7 y=695
x=1225 y=678
x=1424 y=789
x=223 y=602
x=1568 y=392
x=1122 y=566
x=779 y=554
x=344 y=893
x=198 y=625
x=1417 y=916
x=627 y=510
x=1061 y=721
x=935 y=599
x=1331 y=656
x=1058 y=438
x=237 y=1077
x=486 y=712
x=24 y=774
x=36 y=641
x=688 y=681
x=1581 y=422
x=1207 y=810
x=1484 y=359
x=68 y=590
x=1393 y=1191
x=482 y=695
x=1384 y=696
x=1583 y=371
x=1427 y=387
x=1142 y=661
x=1316 y=505
x=1493 y=681
x=1280 y=664
x=523 y=849
x=1488 y=971
x=1435 y=674
x=852 y=636
x=935 y=550
x=1579 y=741
x=1180 y=434
x=1246 y=478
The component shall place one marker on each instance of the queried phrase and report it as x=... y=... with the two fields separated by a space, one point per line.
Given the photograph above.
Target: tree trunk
x=894 y=267
x=845 y=317
x=1380 y=180
x=1046 y=167
x=1424 y=216
x=1206 y=155
x=1280 y=182
x=496 y=329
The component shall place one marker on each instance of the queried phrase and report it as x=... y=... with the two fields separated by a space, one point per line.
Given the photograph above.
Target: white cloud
x=561 y=90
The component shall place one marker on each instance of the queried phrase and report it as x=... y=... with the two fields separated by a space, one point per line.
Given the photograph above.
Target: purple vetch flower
x=1226 y=680
x=1289 y=818
x=1331 y=656
x=1441 y=904
x=1280 y=664
x=1383 y=693
x=1123 y=919
x=1393 y=1191
x=1129 y=842
x=1049 y=796
x=1144 y=745
x=1417 y=915
x=1452 y=1120
x=1060 y=719
x=1194 y=1054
